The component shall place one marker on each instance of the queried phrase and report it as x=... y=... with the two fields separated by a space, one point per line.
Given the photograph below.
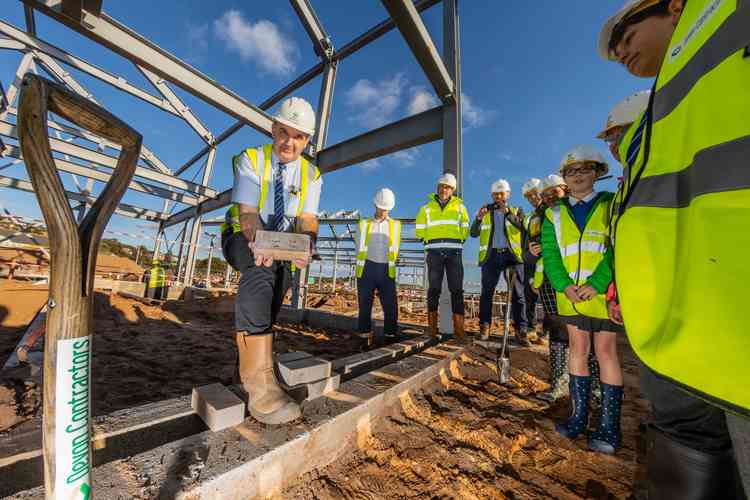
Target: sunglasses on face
x=578 y=170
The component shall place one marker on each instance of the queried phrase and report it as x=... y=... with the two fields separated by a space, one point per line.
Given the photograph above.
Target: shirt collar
x=574 y=201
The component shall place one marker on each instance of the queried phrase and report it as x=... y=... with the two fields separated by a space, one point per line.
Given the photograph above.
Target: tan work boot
x=266 y=400
x=432 y=322
x=484 y=331
x=458 y=327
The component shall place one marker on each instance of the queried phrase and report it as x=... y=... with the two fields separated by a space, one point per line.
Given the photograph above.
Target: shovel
x=503 y=357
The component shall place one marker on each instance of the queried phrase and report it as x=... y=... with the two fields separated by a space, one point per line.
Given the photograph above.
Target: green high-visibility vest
x=582 y=251
x=512 y=234
x=394 y=242
x=446 y=227
x=682 y=237
x=156 y=277
x=232 y=217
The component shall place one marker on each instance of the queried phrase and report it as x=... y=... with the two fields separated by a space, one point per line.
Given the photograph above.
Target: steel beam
x=90 y=173
x=131 y=45
x=410 y=24
x=73 y=9
x=412 y=131
x=320 y=40
x=177 y=104
x=204 y=207
x=350 y=48
x=123 y=208
x=93 y=6
x=452 y=127
x=100 y=74
x=8 y=44
x=27 y=63
x=30 y=21
x=195 y=230
x=325 y=101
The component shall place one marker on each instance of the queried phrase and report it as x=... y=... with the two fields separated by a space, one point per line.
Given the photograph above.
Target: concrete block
x=292 y=356
x=323 y=387
x=218 y=406
x=304 y=371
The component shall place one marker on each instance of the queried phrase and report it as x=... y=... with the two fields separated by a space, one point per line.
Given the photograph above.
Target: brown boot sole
x=287 y=413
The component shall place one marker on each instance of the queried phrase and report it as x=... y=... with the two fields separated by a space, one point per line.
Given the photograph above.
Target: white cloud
x=370 y=165
x=407 y=157
x=261 y=42
x=376 y=102
x=505 y=156
x=421 y=100
x=474 y=116
x=197 y=37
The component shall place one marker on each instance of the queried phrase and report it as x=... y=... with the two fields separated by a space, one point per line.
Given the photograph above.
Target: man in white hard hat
x=443 y=225
x=499 y=227
x=687 y=162
x=620 y=119
x=531 y=246
x=378 y=242
x=275 y=189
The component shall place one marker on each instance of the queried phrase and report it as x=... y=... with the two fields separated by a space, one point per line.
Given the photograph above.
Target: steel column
x=452 y=129
x=325 y=101
x=320 y=40
x=195 y=230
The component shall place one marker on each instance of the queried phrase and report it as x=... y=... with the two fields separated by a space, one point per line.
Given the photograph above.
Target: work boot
x=558 y=367
x=484 y=331
x=580 y=391
x=596 y=387
x=676 y=471
x=432 y=322
x=266 y=400
x=458 y=327
x=522 y=338
x=606 y=438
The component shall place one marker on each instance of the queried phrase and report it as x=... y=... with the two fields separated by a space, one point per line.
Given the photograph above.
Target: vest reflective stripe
x=394 y=243
x=582 y=252
x=512 y=234
x=156 y=278
x=681 y=240
x=538 y=274
x=232 y=217
x=443 y=227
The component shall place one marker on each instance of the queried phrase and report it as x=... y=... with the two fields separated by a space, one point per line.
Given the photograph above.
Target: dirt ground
x=476 y=439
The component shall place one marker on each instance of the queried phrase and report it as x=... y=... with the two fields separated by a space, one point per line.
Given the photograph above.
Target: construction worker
x=620 y=119
x=530 y=238
x=275 y=189
x=443 y=225
x=156 y=280
x=378 y=242
x=680 y=236
x=577 y=256
x=499 y=227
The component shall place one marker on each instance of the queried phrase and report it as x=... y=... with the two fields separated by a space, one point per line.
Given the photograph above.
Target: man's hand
x=250 y=222
x=614 y=313
x=587 y=292
x=260 y=259
x=482 y=212
x=535 y=249
x=571 y=292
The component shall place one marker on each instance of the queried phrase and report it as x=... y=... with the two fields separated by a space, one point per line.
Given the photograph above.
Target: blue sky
x=533 y=82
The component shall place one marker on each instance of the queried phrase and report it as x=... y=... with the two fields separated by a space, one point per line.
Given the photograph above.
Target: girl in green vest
x=577 y=260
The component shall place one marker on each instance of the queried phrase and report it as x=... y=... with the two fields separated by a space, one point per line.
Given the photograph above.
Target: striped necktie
x=279 y=221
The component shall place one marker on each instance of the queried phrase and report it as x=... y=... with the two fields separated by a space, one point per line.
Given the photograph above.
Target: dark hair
x=660 y=9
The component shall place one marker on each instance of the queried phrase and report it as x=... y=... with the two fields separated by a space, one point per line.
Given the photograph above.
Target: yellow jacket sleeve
x=464 y=223
x=421 y=223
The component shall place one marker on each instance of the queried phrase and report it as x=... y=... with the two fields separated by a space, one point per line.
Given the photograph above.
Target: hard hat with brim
x=628 y=10
x=447 y=180
x=297 y=113
x=384 y=199
x=584 y=154
x=625 y=112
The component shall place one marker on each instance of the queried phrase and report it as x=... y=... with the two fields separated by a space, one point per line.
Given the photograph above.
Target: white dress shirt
x=377 y=247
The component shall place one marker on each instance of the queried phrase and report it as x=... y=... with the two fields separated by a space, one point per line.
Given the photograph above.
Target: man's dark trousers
x=375 y=277
x=450 y=262
x=528 y=294
x=497 y=262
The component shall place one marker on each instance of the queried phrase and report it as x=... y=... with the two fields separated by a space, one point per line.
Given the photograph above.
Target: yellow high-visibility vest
x=394 y=242
x=232 y=217
x=682 y=237
x=156 y=277
x=443 y=227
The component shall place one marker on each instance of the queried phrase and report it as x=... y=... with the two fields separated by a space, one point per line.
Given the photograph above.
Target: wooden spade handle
x=73 y=251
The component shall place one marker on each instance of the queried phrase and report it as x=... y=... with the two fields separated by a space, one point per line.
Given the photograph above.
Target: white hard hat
x=530 y=185
x=297 y=113
x=605 y=35
x=551 y=181
x=385 y=199
x=584 y=153
x=500 y=186
x=626 y=111
x=448 y=180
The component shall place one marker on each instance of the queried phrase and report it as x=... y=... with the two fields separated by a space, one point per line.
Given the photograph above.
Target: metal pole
x=335 y=265
x=210 y=256
x=227 y=276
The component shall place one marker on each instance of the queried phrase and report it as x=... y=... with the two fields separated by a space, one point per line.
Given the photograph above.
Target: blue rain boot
x=580 y=391
x=607 y=437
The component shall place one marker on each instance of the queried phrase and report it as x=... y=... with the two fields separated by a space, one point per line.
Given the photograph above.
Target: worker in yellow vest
x=156 y=281
x=275 y=189
x=378 y=242
x=499 y=227
x=531 y=239
x=680 y=237
x=443 y=225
